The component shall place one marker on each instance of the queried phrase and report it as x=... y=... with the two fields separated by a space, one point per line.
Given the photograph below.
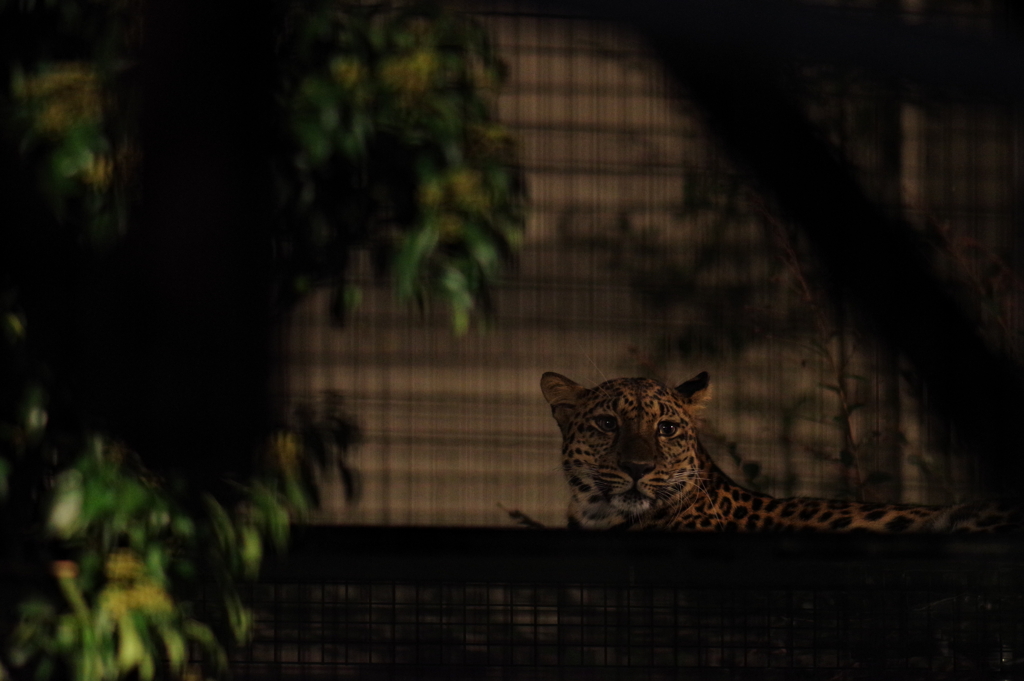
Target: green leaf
x=182 y=525
x=211 y=647
x=276 y=519
x=68 y=632
x=99 y=499
x=222 y=526
x=298 y=497
x=239 y=617
x=33 y=411
x=130 y=649
x=199 y=632
x=147 y=668
x=156 y=560
x=482 y=247
x=416 y=247
x=14 y=327
x=126 y=504
x=177 y=649
x=251 y=551
x=454 y=283
x=460 y=320
x=66 y=509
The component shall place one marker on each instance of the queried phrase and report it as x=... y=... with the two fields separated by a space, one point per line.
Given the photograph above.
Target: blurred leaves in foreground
x=143 y=569
x=389 y=112
x=385 y=141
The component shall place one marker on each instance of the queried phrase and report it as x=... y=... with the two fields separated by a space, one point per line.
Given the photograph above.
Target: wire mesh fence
x=647 y=253
x=404 y=604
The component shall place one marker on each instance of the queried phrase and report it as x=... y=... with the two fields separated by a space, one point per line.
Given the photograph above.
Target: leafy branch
x=393 y=147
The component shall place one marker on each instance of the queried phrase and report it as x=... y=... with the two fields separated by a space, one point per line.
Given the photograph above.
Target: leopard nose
x=636 y=469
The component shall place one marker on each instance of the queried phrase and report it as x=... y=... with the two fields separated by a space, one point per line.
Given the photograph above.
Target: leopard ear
x=562 y=394
x=695 y=390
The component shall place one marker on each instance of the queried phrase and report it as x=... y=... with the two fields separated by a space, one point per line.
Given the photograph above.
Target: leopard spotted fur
x=633 y=461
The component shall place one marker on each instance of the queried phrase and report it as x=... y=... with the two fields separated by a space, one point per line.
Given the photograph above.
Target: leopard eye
x=667 y=428
x=607 y=423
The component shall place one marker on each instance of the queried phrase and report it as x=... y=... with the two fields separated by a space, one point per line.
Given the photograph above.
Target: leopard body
x=633 y=460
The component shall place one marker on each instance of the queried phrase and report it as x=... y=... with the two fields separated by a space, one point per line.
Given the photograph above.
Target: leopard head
x=629 y=446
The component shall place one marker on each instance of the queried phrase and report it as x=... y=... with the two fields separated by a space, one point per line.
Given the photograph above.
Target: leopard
x=633 y=461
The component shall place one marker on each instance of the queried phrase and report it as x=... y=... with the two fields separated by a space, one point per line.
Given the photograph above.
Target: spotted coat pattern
x=633 y=461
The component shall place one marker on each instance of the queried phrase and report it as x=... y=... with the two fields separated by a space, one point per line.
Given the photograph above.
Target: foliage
x=62 y=118
x=396 y=150
x=133 y=544
x=385 y=141
x=138 y=566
